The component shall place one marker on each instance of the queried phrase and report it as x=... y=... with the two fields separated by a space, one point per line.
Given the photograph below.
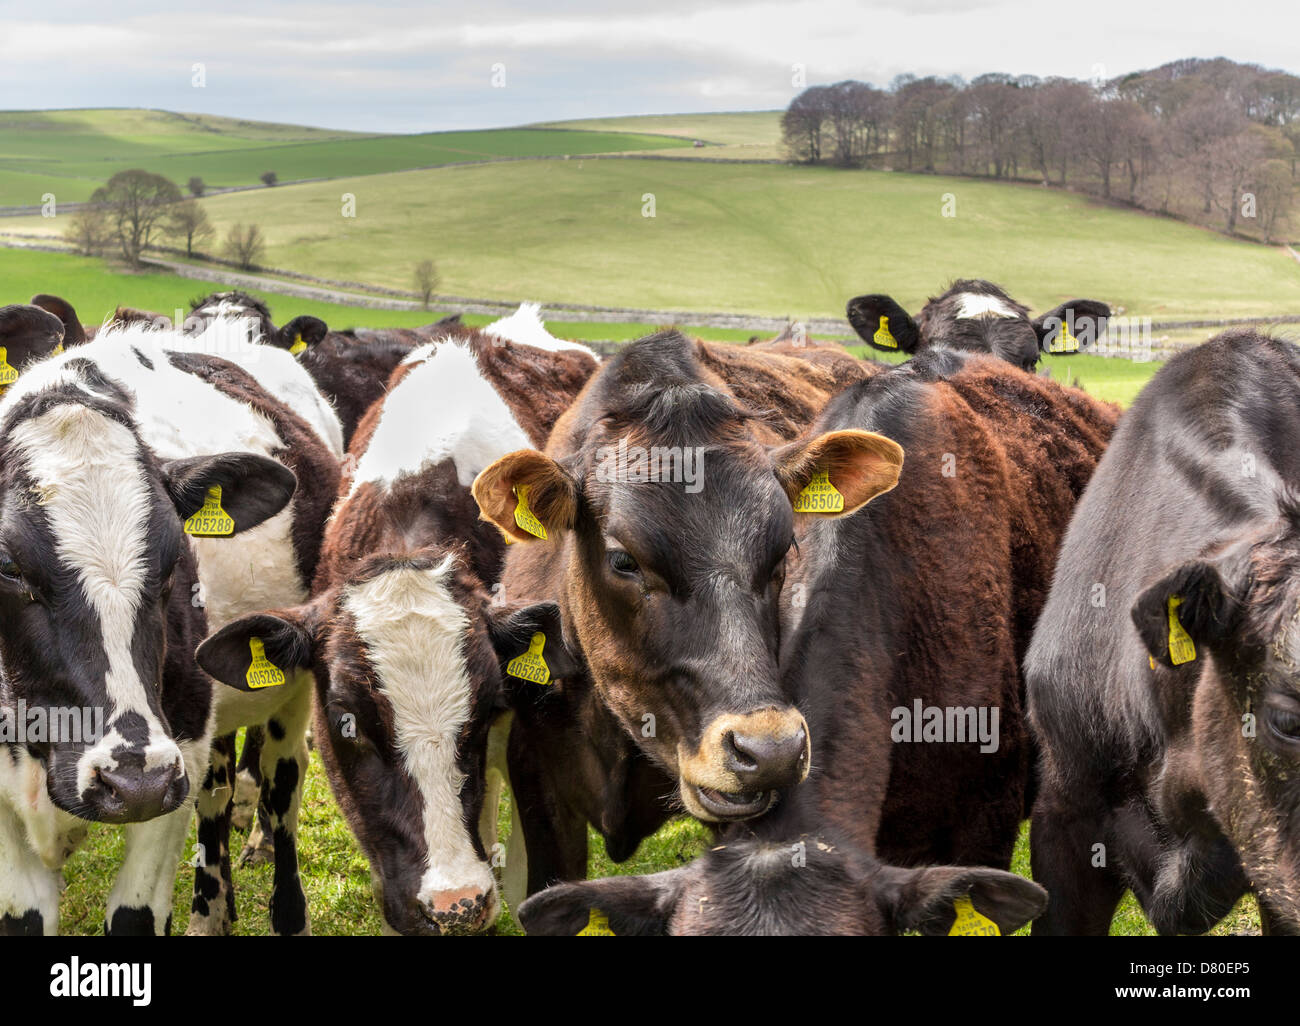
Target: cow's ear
x=228 y=493
x=301 y=333
x=839 y=472
x=882 y=323
x=1071 y=327
x=27 y=333
x=619 y=906
x=528 y=495
x=530 y=645
x=937 y=899
x=1189 y=607
x=74 y=334
x=258 y=651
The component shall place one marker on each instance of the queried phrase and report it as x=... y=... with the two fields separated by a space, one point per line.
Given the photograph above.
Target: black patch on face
x=132 y=922
x=133 y=728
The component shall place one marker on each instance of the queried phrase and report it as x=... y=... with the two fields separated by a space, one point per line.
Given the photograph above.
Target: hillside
x=754 y=239
x=70 y=153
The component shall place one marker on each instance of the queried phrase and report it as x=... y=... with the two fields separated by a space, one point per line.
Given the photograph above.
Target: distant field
x=755 y=135
x=772 y=240
x=70 y=152
x=96 y=290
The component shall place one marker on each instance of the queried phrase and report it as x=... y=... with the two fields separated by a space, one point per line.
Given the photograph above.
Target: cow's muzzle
x=743 y=762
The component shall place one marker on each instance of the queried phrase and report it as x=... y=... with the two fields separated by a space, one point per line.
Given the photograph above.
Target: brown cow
x=665 y=497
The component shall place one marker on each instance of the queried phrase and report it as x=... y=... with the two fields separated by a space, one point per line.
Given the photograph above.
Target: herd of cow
x=860 y=618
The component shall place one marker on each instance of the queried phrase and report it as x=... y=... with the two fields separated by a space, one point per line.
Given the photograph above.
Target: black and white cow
x=106 y=453
x=978 y=315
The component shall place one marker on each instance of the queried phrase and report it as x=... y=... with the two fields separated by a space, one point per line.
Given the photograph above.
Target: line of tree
x=1208 y=140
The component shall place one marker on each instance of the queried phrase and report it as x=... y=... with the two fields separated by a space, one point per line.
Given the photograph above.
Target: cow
x=74 y=332
x=668 y=590
x=924 y=600
x=108 y=458
x=410 y=644
x=1162 y=675
x=980 y=316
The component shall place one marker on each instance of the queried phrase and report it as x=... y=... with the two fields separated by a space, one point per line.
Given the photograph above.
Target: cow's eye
x=1283 y=720
x=10 y=570
x=622 y=563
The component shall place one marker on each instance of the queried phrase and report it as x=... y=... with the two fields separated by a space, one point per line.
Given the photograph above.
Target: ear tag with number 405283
x=531 y=666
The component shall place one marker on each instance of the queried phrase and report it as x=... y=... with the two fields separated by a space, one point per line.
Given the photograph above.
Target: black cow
x=1163 y=676
x=978 y=315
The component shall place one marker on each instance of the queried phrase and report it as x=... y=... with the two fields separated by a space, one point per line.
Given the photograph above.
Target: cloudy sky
x=402 y=66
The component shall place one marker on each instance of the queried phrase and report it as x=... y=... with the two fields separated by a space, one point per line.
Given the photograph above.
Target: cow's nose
x=765 y=762
x=132 y=794
x=459 y=911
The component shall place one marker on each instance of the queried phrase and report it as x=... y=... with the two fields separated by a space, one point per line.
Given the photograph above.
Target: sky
x=402 y=66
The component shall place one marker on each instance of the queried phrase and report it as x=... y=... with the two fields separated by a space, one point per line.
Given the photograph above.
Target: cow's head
x=74 y=333
x=299 y=335
x=413 y=666
x=92 y=544
x=761 y=888
x=1229 y=628
x=979 y=316
x=27 y=334
x=676 y=521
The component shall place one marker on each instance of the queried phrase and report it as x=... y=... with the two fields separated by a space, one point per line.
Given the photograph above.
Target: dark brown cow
x=1164 y=674
x=922 y=601
x=979 y=316
x=668 y=587
x=409 y=642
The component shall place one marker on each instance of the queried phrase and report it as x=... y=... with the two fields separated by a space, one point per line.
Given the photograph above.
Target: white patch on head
x=415 y=633
x=443 y=408
x=97 y=501
x=526 y=328
x=976 y=304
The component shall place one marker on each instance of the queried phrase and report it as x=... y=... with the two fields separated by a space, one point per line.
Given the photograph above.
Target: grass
x=69 y=153
x=772 y=240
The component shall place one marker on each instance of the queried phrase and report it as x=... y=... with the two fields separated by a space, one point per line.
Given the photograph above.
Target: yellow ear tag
x=970 y=923
x=882 y=337
x=524 y=516
x=262 y=673
x=299 y=346
x=1064 y=341
x=819 y=496
x=597 y=925
x=57 y=350
x=211 y=521
x=8 y=375
x=531 y=665
x=1181 y=648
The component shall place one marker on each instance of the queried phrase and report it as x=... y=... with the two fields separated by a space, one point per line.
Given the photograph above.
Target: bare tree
x=189 y=221
x=245 y=245
x=801 y=125
x=196 y=186
x=426 y=281
x=89 y=231
x=269 y=178
x=137 y=202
